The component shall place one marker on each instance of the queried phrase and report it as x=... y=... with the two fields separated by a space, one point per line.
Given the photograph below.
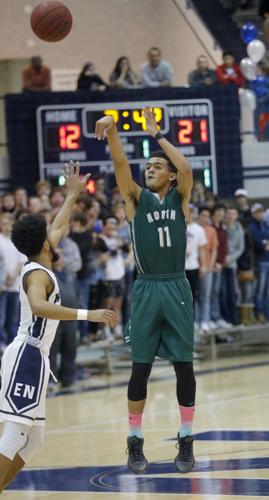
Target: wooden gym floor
x=84 y=454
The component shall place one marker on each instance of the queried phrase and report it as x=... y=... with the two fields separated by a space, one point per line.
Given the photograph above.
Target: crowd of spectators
x=155 y=72
x=227 y=263
x=227 y=260
x=226 y=73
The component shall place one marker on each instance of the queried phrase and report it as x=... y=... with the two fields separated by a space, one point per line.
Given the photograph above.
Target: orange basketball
x=51 y=21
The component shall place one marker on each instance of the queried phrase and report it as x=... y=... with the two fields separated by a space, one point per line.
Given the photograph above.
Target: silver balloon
x=256 y=50
x=248 y=68
x=247 y=98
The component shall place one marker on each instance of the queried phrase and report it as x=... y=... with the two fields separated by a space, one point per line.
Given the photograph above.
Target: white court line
x=93 y=427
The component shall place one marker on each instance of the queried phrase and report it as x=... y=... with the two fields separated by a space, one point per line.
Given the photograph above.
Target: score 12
x=69 y=136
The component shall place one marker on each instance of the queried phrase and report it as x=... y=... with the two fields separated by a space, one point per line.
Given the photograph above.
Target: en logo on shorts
x=24 y=389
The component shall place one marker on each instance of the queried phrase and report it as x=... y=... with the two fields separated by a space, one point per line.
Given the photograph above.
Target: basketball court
x=84 y=453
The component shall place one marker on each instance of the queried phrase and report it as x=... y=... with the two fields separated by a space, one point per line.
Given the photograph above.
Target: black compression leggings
x=137 y=387
x=186 y=385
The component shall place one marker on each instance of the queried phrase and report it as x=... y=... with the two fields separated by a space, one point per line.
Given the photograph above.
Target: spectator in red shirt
x=217 y=218
x=229 y=71
x=36 y=77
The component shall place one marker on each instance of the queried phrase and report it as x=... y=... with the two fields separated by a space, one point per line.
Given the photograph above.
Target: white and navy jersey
x=39 y=332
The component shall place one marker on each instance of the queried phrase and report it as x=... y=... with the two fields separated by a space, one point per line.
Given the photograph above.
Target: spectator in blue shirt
x=156 y=72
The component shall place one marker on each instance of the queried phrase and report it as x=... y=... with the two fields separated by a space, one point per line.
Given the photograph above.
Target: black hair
x=29 y=234
x=227 y=52
x=80 y=217
x=160 y=154
x=85 y=67
x=116 y=70
x=218 y=206
x=109 y=218
x=202 y=208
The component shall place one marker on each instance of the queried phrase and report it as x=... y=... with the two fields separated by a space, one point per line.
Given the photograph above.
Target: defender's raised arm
x=75 y=184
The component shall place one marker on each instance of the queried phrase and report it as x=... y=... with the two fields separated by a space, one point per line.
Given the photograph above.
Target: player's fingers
x=72 y=167
x=110 y=315
x=86 y=178
x=96 y=129
x=77 y=168
x=63 y=172
x=113 y=322
x=99 y=131
x=113 y=318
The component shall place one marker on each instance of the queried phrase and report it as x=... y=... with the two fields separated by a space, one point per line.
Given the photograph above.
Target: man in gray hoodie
x=229 y=287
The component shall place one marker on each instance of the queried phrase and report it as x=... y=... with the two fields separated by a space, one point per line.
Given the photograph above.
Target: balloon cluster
x=256 y=52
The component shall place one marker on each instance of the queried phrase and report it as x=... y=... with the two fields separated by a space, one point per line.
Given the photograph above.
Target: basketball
x=51 y=21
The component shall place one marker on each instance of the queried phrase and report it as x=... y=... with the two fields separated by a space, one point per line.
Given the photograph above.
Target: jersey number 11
x=164 y=237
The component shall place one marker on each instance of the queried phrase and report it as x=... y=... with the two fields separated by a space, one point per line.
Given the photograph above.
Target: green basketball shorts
x=161 y=319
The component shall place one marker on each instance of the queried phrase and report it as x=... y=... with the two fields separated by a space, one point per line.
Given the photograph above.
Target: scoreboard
x=66 y=132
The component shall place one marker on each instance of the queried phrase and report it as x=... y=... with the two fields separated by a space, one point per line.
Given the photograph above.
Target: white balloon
x=248 y=68
x=256 y=50
x=247 y=98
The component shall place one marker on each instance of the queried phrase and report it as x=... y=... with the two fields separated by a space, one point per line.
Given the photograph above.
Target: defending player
x=25 y=364
x=161 y=321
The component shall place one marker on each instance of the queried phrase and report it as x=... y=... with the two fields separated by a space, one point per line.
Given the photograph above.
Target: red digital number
x=203 y=131
x=186 y=129
x=69 y=136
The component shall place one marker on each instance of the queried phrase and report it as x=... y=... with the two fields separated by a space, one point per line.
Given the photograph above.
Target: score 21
x=192 y=130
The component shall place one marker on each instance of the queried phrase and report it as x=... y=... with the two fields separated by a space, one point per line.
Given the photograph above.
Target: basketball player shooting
x=25 y=366
x=161 y=322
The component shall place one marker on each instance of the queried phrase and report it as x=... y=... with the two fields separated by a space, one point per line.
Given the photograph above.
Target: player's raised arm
x=184 y=175
x=75 y=184
x=38 y=287
x=130 y=191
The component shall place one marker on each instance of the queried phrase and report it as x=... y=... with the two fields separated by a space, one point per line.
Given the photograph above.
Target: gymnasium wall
x=103 y=30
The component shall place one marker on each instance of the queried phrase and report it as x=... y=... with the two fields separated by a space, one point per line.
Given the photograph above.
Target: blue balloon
x=260 y=85
x=248 y=32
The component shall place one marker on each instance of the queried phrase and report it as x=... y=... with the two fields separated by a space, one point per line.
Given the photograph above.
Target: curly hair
x=29 y=234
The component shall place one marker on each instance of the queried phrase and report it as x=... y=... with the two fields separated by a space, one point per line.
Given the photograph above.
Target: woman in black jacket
x=89 y=80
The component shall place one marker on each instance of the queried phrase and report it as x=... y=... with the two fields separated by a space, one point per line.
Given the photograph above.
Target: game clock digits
x=67 y=133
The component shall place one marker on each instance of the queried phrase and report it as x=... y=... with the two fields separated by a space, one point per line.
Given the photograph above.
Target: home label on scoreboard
x=66 y=132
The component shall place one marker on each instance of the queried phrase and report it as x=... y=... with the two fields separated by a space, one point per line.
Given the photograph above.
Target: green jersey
x=158 y=233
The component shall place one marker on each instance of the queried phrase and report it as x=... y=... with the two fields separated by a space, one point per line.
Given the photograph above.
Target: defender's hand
x=103 y=316
x=151 y=123
x=74 y=183
x=103 y=126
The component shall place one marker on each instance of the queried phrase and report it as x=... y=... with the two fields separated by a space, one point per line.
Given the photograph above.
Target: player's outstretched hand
x=103 y=126
x=151 y=123
x=103 y=316
x=74 y=183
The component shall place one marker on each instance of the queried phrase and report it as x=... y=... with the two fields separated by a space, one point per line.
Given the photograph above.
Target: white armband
x=82 y=314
